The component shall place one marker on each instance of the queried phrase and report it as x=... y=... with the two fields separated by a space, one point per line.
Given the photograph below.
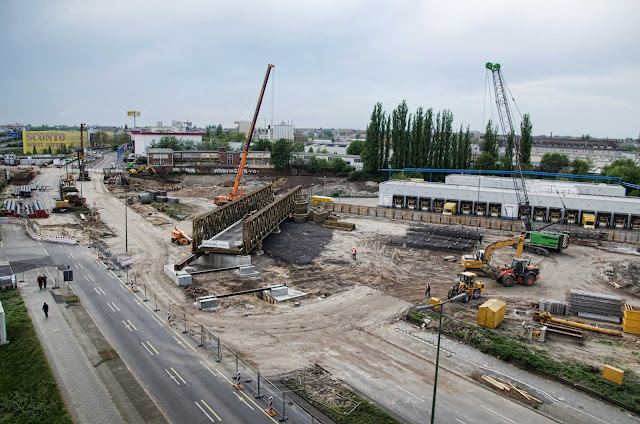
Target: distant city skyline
x=572 y=65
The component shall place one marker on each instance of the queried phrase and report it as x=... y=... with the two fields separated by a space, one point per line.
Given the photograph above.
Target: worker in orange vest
x=353 y=253
x=428 y=290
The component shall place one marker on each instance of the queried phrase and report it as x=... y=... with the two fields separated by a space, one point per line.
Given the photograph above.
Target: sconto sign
x=42 y=140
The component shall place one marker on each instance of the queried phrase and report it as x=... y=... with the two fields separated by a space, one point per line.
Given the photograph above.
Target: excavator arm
x=503 y=243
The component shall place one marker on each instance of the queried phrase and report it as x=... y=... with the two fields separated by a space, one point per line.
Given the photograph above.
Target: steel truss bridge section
x=260 y=215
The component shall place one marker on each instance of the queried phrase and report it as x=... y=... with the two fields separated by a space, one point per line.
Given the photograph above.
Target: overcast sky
x=574 y=66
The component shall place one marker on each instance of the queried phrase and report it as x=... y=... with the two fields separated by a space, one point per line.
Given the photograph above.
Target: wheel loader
x=467 y=283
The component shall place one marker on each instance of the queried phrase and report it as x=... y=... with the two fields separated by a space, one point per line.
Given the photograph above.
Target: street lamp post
x=126 y=245
x=435 y=378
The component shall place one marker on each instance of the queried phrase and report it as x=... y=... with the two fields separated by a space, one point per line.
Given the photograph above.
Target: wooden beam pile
x=510 y=389
x=337 y=225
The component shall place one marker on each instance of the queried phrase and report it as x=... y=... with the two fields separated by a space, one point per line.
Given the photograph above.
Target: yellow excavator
x=146 y=170
x=481 y=259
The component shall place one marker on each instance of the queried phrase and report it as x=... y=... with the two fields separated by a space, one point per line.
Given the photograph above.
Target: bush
x=358 y=176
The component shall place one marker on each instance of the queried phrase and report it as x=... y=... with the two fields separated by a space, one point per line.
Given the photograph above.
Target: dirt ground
x=346 y=296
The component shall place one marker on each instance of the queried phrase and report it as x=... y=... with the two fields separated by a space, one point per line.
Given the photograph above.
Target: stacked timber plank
x=596 y=305
x=556 y=307
x=339 y=225
x=507 y=389
x=631 y=320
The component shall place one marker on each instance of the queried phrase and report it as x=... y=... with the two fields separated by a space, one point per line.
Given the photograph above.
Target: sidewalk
x=84 y=393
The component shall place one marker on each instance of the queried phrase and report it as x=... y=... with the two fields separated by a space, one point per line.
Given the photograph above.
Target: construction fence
x=617 y=235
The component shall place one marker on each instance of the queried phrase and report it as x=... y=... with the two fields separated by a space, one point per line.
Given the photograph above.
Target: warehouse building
x=549 y=200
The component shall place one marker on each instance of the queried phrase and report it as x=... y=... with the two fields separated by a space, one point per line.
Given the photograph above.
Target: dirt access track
x=349 y=300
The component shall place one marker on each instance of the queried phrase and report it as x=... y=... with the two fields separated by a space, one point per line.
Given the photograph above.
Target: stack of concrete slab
x=556 y=307
x=596 y=305
x=161 y=199
x=173 y=200
x=320 y=216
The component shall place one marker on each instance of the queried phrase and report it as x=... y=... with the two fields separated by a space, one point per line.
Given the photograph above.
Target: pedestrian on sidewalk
x=428 y=290
x=39 y=282
x=44 y=281
x=45 y=308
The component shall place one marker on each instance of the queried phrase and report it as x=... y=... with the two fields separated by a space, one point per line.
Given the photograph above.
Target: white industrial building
x=494 y=196
x=143 y=140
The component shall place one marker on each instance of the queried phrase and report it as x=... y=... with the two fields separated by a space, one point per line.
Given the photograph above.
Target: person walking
x=428 y=290
x=39 y=282
x=353 y=253
x=44 y=281
x=45 y=308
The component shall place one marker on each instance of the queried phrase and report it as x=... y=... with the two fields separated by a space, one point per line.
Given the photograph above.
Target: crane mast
x=506 y=123
x=236 y=185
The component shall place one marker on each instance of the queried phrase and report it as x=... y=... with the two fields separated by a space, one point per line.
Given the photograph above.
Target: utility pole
x=81 y=158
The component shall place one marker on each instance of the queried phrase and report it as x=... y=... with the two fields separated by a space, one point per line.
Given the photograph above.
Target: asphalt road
x=184 y=381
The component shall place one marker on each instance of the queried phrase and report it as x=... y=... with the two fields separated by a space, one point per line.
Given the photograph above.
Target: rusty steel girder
x=208 y=225
x=259 y=225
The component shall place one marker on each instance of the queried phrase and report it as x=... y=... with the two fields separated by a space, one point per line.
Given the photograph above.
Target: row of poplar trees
x=421 y=140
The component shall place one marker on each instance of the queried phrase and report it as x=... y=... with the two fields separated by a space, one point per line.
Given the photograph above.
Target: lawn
x=28 y=391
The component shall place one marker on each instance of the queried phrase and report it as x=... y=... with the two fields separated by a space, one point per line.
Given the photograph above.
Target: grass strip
x=28 y=391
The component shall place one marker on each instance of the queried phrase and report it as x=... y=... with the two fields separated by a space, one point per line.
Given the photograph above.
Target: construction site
x=291 y=280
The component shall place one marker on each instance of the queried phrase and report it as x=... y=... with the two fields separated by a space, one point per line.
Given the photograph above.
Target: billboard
x=133 y=113
x=42 y=140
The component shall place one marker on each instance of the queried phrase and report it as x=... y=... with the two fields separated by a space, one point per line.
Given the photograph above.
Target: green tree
x=339 y=166
x=318 y=165
x=399 y=135
x=581 y=166
x=485 y=161
x=328 y=134
x=466 y=162
x=262 y=145
x=554 y=162
x=126 y=127
x=417 y=138
x=628 y=148
x=355 y=147
x=371 y=152
x=219 y=130
x=526 y=140
x=426 y=144
x=35 y=151
x=357 y=136
x=310 y=149
x=386 y=140
x=281 y=154
x=490 y=143
x=168 y=142
x=625 y=169
x=49 y=150
x=297 y=147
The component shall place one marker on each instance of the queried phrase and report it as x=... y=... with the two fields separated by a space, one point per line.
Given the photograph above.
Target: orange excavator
x=237 y=191
x=180 y=237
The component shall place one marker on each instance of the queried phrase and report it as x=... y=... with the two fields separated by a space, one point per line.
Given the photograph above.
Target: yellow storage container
x=491 y=313
x=612 y=374
x=436 y=300
x=631 y=320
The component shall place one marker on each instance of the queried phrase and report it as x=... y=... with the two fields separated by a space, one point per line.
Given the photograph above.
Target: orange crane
x=221 y=200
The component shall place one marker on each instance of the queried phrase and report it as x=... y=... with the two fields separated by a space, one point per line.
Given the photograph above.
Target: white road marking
x=45 y=250
x=111 y=307
x=131 y=324
x=127 y=325
x=419 y=398
x=145 y=346
x=91 y=278
x=179 y=376
x=241 y=399
x=71 y=254
x=122 y=287
x=139 y=304
x=100 y=288
x=114 y=305
x=179 y=342
x=77 y=267
x=156 y=320
x=462 y=422
x=500 y=415
x=97 y=291
x=80 y=265
x=60 y=247
x=154 y=349
x=86 y=278
x=211 y=410
x=172 y=377
x=205 y=413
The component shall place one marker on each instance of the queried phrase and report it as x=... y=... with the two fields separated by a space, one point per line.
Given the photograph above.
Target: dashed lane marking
x=145 y=346
x=188 y=344
x=172 y=377
x=179 y=342
x=241 y=399
x=111 y=307
x=251 y=400
x=131 y=324
x=461 y=422
x=97 y=291
x=205 y=413
x=179 y=376
x=154 y=349
x=115 y=306
x=127 y=325
x=209 y=408
x=157 y=320
x=408 y=392
x=122 y=287
x=500 y=415
x=100 y=288
x=91 y=278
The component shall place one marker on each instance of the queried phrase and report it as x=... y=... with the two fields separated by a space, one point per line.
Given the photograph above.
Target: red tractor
x=519 y=272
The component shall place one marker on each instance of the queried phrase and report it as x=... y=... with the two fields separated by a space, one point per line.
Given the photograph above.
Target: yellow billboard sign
x=133 y=113
x=59 y=141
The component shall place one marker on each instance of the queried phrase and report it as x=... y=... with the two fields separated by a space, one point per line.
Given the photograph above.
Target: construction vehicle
x=542 y=242
x=61 y=206
x=235 y=193
x=144 y=170
x=481 y=259
x=467 y=283
x=180 y=237
x=520 y=271
x=280 y=181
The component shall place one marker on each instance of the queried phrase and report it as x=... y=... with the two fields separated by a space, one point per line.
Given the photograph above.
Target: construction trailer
x=551 y=201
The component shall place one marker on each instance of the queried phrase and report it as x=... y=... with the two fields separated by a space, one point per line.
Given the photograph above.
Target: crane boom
x=506 y=123
x=236 y=185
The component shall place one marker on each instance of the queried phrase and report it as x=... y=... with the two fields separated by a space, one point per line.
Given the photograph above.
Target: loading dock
x=603 y=219
x=494 y=209
x=466 y=208
x=438 y=205
x=424 y=203
x=481 y=209
x=539 y=213
x=412 y=202
x=398 y=202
